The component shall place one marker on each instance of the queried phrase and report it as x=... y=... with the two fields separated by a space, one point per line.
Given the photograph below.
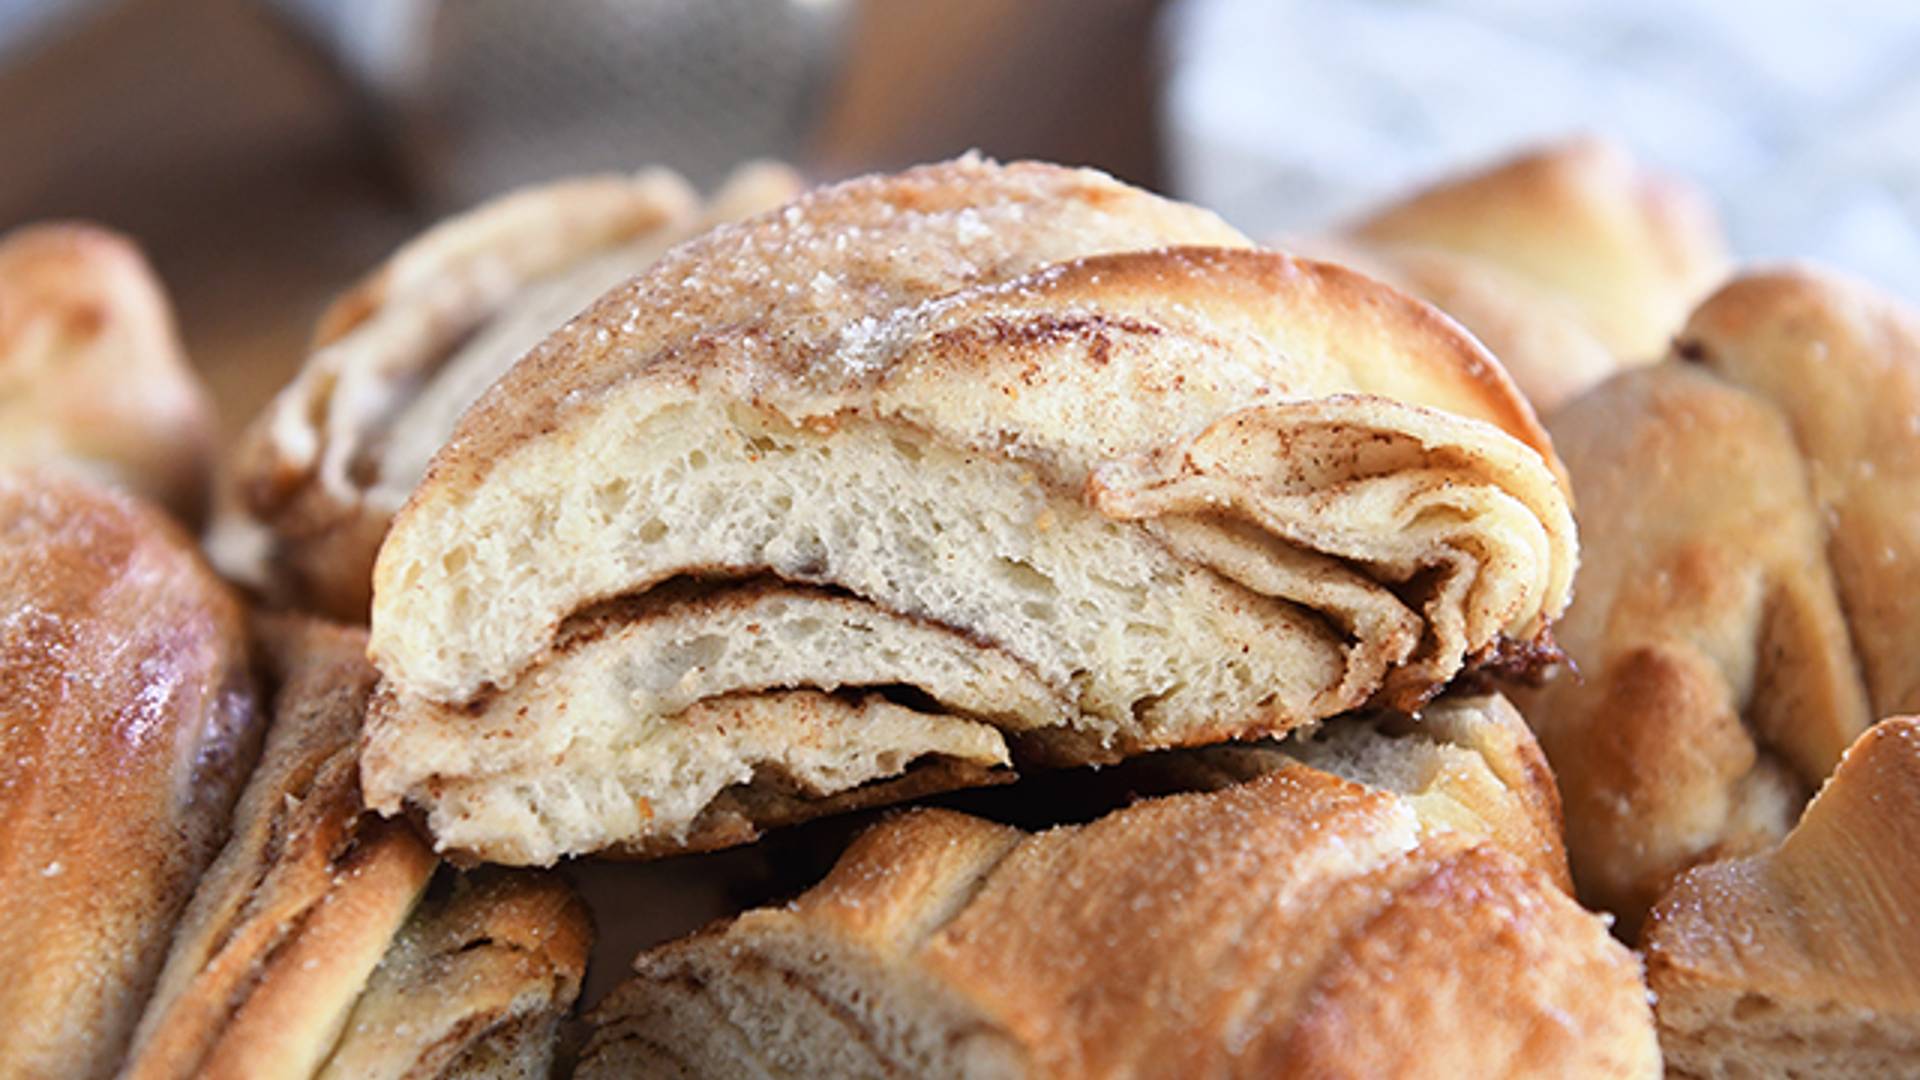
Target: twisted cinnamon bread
x=925 y=470
x=1294 y=924
x=1570 y=261
x=1752 y=516
x=1804 y=960
x=127 y=723
x=92 y=375
x=308 y=949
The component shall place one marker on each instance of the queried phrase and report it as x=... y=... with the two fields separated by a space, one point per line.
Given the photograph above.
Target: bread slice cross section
x=964 y=466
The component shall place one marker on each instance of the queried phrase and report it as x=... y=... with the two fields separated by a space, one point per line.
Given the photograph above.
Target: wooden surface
x=227 y=146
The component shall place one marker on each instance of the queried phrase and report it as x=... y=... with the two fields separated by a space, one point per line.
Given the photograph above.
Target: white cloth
x=1802 y=120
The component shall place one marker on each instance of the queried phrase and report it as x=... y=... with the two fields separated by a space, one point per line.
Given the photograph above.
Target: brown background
x=228 y=147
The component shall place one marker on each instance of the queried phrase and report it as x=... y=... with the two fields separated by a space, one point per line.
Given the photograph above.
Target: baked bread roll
x=476 y=985
x=1466 y=761
x=1539 y=336
x=399 y=357
x=1752 y=518
x=1569 y=261
x=925 y=461
x=92 y=375
x=127 y=721
x=1295 y=924
x=1804 y=961
x=1841 y=361
x=310 y=923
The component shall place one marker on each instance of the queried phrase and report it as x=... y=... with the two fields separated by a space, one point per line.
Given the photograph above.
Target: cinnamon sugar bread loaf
x=92 y=375
x=308 y=949
x=1752 y=516
x=398 y=358
x=1570 y=261
x=925 y=473
x=1293 y=924
x=127 y=723
x=1804 y=960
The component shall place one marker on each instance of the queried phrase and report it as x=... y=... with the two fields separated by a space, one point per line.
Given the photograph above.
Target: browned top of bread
x=301 y=904
x=91 y=370
x=127 y=721
x=1717 y=683
x=1293 y=924
x=1841 y=361
x=1540 y=336
x=1804 y=960
x=794 y=280
x=1632 y=250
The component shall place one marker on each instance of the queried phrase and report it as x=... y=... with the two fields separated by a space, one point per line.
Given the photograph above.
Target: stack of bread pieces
x=1183 y=632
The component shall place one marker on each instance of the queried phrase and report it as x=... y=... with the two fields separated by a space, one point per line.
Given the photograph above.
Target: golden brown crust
x=286 y=926
x=1804 y=960
x=1467 y=762
x=127 y=722
x=1841 y=361
x=599 y=349
x=1631 y=250
x=1295 y=921
x=484 y=972
x=1716 y=683
x=92 y=375
x=1539 y=336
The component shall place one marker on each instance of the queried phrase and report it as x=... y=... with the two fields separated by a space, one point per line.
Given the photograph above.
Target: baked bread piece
x=1841 y=361
x=127 y=721
x=1716 y=686
x=1465 y=762
x=1632 y=251
x=1804 y=961
x=306 y=928
x=1295 y=924
x=1752 y=518
x=289 y=922
x=399 y=357
x=923 y=462
x=92 y=375
x=1539 y=335
x=475 y=985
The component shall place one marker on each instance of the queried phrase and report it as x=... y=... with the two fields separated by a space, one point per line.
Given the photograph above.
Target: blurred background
x=267 y=152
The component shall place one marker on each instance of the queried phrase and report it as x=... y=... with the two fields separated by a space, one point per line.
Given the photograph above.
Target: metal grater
x=480 y=95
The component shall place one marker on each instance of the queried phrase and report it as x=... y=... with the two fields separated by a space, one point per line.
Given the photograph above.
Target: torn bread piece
x=397 y=359
x=1804 y=961
x=945 y=468
x=313 y=918
x=93 y=377
x=1294 y=924
x=1579 y=224
x=127 y=723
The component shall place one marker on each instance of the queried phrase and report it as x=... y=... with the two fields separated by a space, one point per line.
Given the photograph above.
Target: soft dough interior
x=995 y=600
x=1098 y=610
